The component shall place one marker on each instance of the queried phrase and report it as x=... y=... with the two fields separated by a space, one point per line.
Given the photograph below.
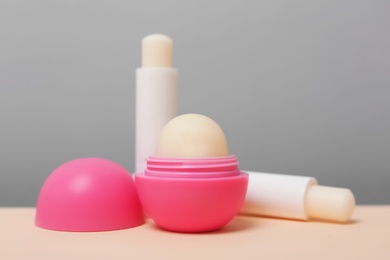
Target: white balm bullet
x=296 y=197
x=156 y=95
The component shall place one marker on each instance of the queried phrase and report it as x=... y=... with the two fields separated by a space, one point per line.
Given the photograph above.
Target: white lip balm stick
x=296 y=197
x=156 y=95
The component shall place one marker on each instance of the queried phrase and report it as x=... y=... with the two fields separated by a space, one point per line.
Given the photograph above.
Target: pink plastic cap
x=89 y=194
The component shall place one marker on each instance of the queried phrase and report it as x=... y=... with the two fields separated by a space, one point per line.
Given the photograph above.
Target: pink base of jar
x=184 y=195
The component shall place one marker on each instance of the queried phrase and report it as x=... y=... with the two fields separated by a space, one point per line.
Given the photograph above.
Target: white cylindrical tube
x=296 y=197
x=156 y=95
x=277 y=195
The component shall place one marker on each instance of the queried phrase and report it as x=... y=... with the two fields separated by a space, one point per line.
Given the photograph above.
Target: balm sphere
x=192 y=136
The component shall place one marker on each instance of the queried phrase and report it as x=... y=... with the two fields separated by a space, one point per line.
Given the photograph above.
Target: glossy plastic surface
x=89 y=194
x=188 y=201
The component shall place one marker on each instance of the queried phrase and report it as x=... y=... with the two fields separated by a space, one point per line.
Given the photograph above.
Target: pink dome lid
x=89 y=194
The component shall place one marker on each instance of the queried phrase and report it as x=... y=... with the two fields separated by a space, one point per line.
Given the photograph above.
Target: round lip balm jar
x=192 y=194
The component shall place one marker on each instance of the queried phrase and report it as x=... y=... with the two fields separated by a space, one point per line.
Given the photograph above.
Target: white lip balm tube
x=156 y=95
x=296 y=197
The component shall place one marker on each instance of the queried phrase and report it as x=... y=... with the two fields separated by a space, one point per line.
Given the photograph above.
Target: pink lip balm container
x=89 y=194
x=192 y=194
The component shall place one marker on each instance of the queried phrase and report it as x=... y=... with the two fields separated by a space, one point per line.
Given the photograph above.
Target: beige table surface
x=367 y=236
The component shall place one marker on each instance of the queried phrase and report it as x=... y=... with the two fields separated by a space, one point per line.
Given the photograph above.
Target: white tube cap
x=277 y=195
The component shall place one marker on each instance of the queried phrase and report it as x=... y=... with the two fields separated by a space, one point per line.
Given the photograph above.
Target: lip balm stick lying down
x=296 y=197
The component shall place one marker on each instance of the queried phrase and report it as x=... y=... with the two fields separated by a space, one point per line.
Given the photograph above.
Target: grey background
x=300 y=87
